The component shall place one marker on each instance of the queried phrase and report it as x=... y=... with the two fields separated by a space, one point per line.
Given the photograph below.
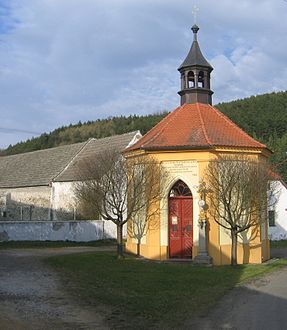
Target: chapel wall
x=252 y=248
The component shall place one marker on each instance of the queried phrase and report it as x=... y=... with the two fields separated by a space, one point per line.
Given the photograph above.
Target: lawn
x=52 y=244
x=143 y=294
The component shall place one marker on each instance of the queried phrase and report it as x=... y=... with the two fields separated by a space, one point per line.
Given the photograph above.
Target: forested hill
x=83 y=131
x=261 y=116
x=264 y=117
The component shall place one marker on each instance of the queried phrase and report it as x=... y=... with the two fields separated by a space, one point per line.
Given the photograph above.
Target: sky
x=65 y=61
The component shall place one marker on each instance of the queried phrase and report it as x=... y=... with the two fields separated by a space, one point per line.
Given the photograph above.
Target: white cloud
x=70 y=60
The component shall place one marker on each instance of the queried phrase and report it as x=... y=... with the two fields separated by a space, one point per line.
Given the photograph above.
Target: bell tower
x=195 y=75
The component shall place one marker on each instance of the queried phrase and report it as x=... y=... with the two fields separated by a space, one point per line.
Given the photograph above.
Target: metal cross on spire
x=195 y=11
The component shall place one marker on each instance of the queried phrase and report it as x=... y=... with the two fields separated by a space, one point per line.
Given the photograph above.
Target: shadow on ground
x=260 y=304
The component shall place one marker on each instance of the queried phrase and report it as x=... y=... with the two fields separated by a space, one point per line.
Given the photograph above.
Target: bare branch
x=119 y=190
x=238 y=198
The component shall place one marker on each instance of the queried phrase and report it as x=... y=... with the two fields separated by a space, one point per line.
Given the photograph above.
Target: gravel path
x=259 y=304
x=31 y=296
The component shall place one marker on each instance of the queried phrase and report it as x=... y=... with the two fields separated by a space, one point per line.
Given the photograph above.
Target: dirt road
x=31 y=296
x=258 y=305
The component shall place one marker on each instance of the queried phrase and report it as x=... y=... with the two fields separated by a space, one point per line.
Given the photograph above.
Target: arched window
x=190 y=79
x=179 y=189
x=201 y=79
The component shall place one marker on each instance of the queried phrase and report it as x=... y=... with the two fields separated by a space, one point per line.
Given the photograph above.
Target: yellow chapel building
x=184 y=142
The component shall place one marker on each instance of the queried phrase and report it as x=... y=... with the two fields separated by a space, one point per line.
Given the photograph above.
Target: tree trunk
x=233 y=248
x=139 y=247
x=120 y=241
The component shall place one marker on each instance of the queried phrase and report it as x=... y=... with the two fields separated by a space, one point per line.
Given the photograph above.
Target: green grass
x=278 y=244
x=50 y=244
x=141 y=294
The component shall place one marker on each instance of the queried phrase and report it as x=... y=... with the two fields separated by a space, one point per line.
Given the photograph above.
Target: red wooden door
x=180 y=227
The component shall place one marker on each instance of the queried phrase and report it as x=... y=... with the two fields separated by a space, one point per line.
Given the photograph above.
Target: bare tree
x=237 y=195
x=117 y=189
x=152 y=181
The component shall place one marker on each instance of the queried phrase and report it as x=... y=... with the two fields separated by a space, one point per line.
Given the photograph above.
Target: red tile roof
x=195 y=126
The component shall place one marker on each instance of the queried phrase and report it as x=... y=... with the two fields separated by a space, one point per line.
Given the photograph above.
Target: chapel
x=184 y=142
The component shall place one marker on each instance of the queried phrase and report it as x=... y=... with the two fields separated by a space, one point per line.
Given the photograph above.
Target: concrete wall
x=29 y=203
x=78 y=231
x=279 y=231
x=39 y=203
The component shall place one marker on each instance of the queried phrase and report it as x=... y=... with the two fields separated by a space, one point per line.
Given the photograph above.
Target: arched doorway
x=180 y=218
